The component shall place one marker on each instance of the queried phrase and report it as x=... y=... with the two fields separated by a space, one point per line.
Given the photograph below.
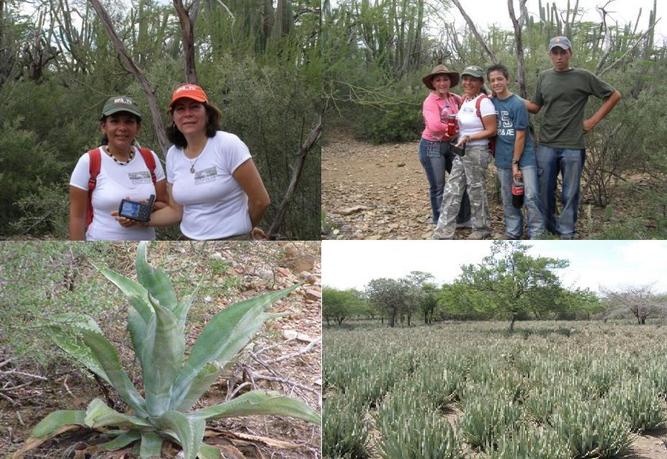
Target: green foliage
x=344 y=426
x=545 y=395
x=172 y=383
x=338 y=305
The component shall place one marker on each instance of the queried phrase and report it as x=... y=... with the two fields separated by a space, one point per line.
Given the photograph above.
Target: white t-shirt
x=469 y=122
x=116 y=182
x=214 y=204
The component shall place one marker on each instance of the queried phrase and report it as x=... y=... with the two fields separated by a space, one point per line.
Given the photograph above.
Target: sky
x=593 y=264
x=488 y=12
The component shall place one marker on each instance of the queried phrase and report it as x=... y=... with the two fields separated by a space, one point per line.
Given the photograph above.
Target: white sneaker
x=466 y=224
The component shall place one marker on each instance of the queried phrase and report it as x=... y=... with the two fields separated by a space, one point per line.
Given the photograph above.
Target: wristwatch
x=515 y=161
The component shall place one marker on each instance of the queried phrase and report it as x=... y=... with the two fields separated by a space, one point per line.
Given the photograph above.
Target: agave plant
x=172 y=382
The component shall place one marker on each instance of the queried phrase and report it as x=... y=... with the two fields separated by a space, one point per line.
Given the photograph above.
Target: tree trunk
x=512 y=323
x=340 y=320
x=520 y=61
x=187 y=17
x=473 y=29
x=131 y=67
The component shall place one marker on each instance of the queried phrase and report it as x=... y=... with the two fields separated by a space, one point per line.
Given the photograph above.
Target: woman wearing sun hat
x=215 y=190
x=116 y=170
x=434 y=152
x=477 y=123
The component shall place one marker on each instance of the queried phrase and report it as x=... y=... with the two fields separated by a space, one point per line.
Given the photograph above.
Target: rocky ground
x=381 y=192
x=285 y=356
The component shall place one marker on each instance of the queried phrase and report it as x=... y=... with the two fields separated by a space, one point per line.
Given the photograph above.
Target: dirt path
x=381 y=192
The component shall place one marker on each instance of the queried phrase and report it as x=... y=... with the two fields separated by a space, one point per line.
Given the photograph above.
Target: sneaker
x=466 y=224
x=441 y=235
x=477 y=235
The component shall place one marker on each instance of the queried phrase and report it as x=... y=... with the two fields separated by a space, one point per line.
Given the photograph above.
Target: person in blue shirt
x=515 y=157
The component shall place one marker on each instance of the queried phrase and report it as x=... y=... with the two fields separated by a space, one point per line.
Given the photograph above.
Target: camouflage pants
x=468 y=172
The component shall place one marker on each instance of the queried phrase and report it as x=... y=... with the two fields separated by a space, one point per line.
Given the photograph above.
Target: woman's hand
x=463 y=140
x=258 y=234
x=516 y=172
x=124 y=222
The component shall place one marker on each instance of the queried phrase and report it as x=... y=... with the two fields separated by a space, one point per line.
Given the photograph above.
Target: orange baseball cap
x=188 y=91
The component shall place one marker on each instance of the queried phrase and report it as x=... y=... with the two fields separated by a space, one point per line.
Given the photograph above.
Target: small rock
x=265 y=274
x=312 y=294
x=401 y=165
x=290 y=334
x=283 y=272
x=217 y=256
x=353 y=210
x=208 y=299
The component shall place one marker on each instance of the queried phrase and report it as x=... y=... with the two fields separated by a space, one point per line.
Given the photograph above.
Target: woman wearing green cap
x=477 y=123
x=117 y=170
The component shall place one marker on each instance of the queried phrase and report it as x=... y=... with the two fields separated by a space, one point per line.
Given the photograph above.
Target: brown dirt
x=285 y=356
x=381 y=192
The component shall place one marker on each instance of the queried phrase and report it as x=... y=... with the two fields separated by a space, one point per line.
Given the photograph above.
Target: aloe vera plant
x=172 y=382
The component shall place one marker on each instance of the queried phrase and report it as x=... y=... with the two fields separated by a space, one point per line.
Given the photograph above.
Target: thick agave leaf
x=206 y=377
x=133 y=290
x=151 y=446
x=98 y=414
x=166 y=361
x=108 y=357
x=121 y=441
x=224 y=336
x=186 y=429
x=56 y=420
x=260 y=402
x=65 y=331
x=155 y=280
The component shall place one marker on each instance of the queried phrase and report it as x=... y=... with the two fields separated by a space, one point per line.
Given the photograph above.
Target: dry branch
x=471 y=24
x=297 y=169
x=520 y=61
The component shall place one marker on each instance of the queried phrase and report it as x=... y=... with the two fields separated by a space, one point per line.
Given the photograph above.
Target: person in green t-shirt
x=562 y=92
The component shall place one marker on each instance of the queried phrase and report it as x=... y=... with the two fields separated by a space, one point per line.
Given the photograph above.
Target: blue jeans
x=531 y=202
x=436 y=159
x=570 y=164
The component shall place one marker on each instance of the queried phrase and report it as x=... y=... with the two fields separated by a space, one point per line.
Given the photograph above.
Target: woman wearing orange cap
x=215 y=190
x=117 y=170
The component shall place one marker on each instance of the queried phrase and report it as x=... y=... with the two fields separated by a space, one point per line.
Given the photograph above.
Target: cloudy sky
x=593 y=264
x=488 y=12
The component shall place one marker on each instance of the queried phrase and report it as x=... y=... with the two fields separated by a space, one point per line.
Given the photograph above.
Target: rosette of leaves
x=172 y=382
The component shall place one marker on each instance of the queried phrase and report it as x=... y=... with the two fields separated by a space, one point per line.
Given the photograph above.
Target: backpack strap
x=150 y=162
x=478 y=103
x=94 y=164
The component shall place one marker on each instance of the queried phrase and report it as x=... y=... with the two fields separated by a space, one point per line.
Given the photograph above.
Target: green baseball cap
x=117 y=104
x=473 y=71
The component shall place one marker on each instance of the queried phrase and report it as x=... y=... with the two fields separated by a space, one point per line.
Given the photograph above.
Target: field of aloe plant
x=550 y=390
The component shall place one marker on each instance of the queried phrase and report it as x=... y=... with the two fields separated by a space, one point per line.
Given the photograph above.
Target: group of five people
x=561 y=94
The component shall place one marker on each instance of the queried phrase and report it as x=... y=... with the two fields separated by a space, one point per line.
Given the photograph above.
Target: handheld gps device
x=138 y=211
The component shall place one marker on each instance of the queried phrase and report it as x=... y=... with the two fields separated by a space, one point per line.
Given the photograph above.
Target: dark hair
x=105 y=140
x=498 y=68
x=212 y=126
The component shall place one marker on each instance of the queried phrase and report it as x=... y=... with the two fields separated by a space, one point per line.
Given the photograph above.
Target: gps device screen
x=138 y=211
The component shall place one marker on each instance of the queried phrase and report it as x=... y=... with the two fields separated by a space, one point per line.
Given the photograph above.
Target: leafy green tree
x=389 y=296
x=338 y=305
x=514 y=282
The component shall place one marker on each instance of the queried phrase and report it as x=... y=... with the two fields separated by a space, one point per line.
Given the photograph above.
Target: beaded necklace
x=122 y=163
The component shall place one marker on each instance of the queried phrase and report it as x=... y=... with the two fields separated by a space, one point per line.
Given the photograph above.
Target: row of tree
x=61 y=59
x=509 y=284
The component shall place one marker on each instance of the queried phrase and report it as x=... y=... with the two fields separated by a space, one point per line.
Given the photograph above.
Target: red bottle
x=517 y=192
x=452 y=126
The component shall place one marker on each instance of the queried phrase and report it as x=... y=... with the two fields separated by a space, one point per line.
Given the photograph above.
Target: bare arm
x=250 y=181
x=604 y=109
x=519 y=143
x=78 y=208
x=169 y=215
x=532 y=107
x=161 y=195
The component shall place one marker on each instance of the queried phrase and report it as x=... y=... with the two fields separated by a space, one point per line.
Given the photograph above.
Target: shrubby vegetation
x=263 y=70
x=546 y=394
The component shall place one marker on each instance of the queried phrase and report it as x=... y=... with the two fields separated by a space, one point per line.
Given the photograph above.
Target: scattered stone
x=353 y=210
x=312 y=294
x=217 y=256
x=401 y=164
x=290 y=334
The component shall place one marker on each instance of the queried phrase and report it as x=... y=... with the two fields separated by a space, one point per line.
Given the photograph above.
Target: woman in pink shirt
x=434 y=152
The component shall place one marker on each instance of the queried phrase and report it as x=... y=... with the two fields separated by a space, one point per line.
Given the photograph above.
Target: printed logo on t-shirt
x=205 y=175
x=505 y=126
x=139 y=178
